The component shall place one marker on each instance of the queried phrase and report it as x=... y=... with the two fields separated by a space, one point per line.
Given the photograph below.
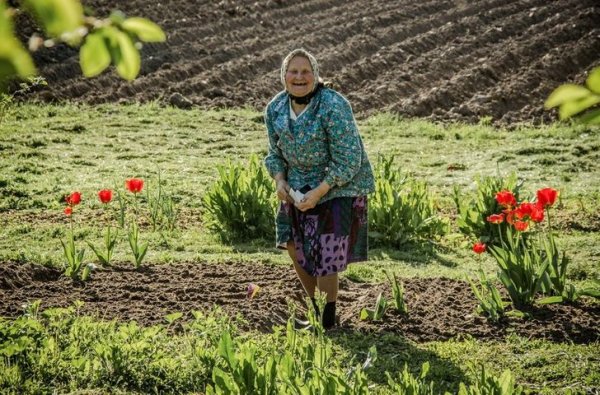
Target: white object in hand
x=296 y=195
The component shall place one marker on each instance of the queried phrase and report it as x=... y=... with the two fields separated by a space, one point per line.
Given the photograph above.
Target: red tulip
x=68 y=211
x=134 y=185
x=521 y=226
x=510 y=216
x=73 y=199
x=537 y=215
x=525 y=210
x=105 y=196
x=547 y=196
x=479 y=247
x=496 y=218
x=506 y=199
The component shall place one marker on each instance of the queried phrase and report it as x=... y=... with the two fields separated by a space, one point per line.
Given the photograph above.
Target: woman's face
x=299 y=78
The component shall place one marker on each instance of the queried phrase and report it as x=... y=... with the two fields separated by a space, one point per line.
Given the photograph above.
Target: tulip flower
x=537 y=215
x=525 y=210
x=105 y=196
x=73 y=199
x=521 y=226
x=495 y=218
x=134 y=185
x=68 y=211
x=547 y=196
x=252 y=290
x=506 y=198
x=479 y=247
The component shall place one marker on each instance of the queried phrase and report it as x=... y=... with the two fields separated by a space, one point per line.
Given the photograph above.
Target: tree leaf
x=94 y=56
x=593 y=80
x=570 y=108
x=144 y=29
x=566 y=93
x=128 y=64
x=58 y=16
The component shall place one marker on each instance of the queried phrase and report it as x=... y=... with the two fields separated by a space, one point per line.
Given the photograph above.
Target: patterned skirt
x=327 y=237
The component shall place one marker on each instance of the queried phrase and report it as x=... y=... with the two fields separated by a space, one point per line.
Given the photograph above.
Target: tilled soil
x=443 y=59
x=439 y=308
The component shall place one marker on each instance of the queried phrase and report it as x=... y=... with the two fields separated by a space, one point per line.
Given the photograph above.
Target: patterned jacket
x=322 y=144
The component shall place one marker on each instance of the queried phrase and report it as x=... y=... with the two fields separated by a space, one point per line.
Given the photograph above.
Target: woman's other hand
x=282 y=191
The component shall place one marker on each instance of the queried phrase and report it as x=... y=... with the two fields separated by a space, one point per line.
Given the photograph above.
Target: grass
x=47 y=151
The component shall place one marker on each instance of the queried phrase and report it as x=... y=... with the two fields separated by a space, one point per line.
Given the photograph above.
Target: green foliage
x=490 y=301
x=401 y=209
x=381 y=305
x=397 y=293
x=573 y=99
x=138 y=250
x=74 y=266
x=486 y=384
x=407 y=384
x=110 y=241
x=240 y=205
x=162 y=208
x=473 y=211
x=103 y=41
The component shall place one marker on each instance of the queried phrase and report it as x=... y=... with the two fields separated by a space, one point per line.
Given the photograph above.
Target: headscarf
x=313 y=64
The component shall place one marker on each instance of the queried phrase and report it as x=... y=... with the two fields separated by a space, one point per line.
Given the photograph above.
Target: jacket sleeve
x=274 y=161
x=345 y=147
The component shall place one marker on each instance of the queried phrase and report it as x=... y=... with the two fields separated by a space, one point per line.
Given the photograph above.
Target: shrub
x=240 y=205
x=401 y=209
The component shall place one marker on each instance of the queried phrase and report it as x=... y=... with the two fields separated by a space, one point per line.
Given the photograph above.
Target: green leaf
x=551 y=300
x=144 y=29
x=58 y=16
x=14 y=60
x=366 y=314
x=566 y=93
x=128 y=62
x=173 y=317
x=591 y=117
x=593 y=80
x=94 y=56
x=571 y=108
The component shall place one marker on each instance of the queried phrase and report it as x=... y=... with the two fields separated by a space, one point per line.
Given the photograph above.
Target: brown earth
x=439 y=308
x=443 y=59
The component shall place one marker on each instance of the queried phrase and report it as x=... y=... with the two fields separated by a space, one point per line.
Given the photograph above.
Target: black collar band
x=306 y=98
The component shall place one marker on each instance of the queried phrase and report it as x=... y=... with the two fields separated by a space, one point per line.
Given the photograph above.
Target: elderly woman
x=323 y=176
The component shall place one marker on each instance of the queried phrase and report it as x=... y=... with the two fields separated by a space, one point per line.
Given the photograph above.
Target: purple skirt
x=327 y=237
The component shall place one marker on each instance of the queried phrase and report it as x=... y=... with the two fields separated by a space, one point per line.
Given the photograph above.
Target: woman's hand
x=312 y=197
x=282 y=190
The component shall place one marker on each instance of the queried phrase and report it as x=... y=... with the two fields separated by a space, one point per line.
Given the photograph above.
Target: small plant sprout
x=379 y=311
x=397 y=293
x=252 y=290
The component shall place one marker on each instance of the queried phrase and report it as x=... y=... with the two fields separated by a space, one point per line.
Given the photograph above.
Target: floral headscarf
x=304 y=53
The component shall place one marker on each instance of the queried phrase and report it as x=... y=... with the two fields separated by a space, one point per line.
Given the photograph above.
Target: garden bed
x=439 y=308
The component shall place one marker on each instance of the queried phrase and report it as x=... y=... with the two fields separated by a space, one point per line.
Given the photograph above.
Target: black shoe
x=329 y=315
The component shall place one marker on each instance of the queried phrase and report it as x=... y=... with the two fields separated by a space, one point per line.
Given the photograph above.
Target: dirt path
x=439 y=308
x=447 y=60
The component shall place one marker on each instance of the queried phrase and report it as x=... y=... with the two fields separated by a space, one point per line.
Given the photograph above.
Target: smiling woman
x=315 y=149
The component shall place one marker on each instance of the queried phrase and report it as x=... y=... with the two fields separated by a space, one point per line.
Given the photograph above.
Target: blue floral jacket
x=322 y=144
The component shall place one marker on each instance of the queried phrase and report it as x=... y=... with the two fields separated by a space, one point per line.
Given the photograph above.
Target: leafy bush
x=401 y=209
x=472 y=212
x=240 y=205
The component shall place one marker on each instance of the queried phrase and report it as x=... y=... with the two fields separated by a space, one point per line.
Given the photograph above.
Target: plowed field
x=445 y=60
